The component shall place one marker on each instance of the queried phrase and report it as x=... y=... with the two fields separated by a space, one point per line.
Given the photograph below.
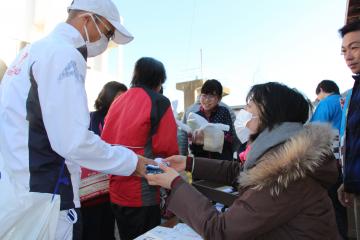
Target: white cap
x=108 y=10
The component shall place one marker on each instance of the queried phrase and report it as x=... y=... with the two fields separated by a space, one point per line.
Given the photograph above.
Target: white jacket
x=44 y=119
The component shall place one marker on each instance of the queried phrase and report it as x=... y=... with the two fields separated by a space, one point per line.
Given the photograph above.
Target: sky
x=242 y=42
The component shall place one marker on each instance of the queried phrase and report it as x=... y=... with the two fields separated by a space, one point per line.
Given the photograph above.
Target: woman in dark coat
x=282 y=185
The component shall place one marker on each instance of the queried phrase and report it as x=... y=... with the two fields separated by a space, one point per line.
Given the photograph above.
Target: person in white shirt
x=44 y=114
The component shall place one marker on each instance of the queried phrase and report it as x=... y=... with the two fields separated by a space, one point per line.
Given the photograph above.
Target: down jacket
x=282 y=196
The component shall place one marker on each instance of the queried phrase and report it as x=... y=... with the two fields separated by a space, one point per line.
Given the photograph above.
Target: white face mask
x=242 y=118
x=98 y=47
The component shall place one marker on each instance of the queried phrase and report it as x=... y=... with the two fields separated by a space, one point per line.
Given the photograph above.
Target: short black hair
x=107 y=95
x=148 y=72
x=212 y=86
x=352 y=26
x=278 y=103
x=327 y=86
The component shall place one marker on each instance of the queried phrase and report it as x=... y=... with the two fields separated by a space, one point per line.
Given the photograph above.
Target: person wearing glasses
x=44 y=113
x=211 y=94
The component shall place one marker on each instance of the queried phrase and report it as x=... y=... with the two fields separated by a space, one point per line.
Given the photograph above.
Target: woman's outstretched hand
x=177 y=162
x=163 y=179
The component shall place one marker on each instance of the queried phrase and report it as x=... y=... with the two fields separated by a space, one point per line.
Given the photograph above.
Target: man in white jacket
x=44 y=116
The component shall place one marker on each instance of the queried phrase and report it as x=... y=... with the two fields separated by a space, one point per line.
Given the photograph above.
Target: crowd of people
x=296 y=170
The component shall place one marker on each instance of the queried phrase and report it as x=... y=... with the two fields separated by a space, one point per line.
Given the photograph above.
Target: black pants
x=77 y=227
x=134 y=221
x=98 y=222
x=340 y=210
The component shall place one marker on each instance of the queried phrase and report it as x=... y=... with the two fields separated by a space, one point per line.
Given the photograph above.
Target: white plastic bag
x=24 y=214
x=174 y=106
x=195 y=121
x=213 y=139
x=213 y=132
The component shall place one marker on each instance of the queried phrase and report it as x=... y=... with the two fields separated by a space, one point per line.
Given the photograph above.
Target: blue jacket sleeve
x=322 y=113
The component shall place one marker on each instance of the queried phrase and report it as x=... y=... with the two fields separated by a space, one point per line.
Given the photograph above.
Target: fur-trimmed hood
x=306 y=153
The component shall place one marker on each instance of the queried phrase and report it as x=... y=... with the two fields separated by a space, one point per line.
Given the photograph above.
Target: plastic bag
x=195 y=121
x=213 y=132
x=213 y=139
x=24 y=214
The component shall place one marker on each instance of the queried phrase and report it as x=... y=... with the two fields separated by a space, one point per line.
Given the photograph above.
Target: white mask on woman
x=242 y=118
x=98 y=47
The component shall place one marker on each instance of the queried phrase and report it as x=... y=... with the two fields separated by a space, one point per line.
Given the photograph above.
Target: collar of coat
x=290 y=160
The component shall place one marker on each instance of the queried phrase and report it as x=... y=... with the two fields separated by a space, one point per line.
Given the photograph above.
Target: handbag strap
x=61 y=180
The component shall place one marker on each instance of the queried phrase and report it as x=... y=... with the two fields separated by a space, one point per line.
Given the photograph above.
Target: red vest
x=141 y=120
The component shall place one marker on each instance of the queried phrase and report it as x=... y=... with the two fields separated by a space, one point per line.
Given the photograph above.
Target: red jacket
x=142 y=120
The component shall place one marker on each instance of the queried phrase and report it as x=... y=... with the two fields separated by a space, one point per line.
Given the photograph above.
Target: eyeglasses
x=109 y=34
x=210 y=97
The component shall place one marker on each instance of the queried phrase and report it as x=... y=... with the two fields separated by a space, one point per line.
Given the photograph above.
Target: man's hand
x=346 y=199
x=177 y=162
x=163 y=179
x=140 y=170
